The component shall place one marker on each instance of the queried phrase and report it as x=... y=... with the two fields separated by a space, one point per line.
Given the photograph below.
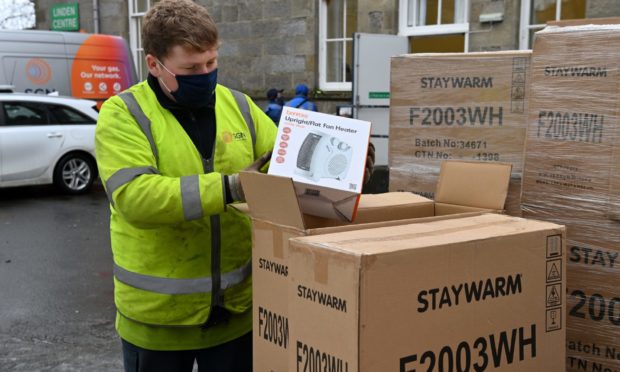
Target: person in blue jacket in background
x=301 y=99
x=274 y=108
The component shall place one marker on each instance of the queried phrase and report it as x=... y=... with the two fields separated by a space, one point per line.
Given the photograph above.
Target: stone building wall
x=502 y=35
x=266 y=43
x=274 y=43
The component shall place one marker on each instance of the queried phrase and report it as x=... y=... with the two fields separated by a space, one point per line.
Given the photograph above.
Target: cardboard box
x=476 y=293
x=593 y=308
x=326 y=156
x=277 y=217
x=585 y=21
x=272 y=228
x=469 y=106
x=571 y=177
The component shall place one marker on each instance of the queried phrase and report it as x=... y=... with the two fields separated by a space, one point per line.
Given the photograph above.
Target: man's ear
x=152 y=65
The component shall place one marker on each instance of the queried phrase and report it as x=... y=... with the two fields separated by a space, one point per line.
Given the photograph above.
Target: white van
x=91 y=66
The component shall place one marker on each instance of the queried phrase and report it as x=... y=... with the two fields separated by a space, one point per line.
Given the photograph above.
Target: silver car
x=47 y=139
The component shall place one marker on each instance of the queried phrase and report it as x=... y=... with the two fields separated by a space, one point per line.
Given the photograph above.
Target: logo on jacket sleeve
x=228 y=137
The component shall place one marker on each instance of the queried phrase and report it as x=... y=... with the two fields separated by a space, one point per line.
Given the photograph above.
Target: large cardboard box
x=477 y=293
x=469 y=106
x=277 y=217
x=571 y=177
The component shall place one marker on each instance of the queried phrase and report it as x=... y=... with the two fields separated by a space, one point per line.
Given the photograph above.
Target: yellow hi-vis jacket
x=173 y=239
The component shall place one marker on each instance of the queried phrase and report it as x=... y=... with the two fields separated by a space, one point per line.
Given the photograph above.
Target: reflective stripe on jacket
x=168 y=210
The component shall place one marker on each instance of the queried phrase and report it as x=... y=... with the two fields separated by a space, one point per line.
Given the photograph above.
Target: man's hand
x=234 y=183
x=370 y=163
x=259 y=163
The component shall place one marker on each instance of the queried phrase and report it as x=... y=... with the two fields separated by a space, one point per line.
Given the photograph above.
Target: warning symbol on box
x=517 y=106
x=519 y=64
x=554 y=246
x=553 y=321
x=518 y=78
x=518 y=93
x=554 y=270
x=554 y=297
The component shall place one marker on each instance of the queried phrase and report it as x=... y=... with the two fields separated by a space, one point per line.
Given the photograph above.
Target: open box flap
x=473 y=184
x=272 y=198
x=393 y=199
x=326 y=202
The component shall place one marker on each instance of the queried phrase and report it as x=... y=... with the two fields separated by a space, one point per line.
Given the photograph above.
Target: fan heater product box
x=325 y=155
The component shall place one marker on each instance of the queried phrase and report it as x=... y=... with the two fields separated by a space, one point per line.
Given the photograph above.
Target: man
x=274 y=108
x=301 y=99
x=169 y=150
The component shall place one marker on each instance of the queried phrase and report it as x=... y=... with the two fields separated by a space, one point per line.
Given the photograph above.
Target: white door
x=28 y=144
x=371 y=84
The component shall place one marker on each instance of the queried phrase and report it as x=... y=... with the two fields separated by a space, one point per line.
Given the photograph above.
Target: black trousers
x=233 y=356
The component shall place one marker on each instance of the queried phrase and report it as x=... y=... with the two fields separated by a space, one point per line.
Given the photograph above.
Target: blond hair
x=178 y=22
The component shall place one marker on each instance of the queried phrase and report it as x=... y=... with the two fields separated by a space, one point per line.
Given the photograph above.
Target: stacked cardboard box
x=476 y=293
x=457 y=106
x=571 y=176
x=277 y=217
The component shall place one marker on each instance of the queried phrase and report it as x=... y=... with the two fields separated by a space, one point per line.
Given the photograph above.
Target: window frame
x=525 y=27
x=407 y=9
x=135 y=38
x=323 y=40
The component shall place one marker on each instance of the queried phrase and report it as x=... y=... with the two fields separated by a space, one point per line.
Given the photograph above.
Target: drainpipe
x=96 y=15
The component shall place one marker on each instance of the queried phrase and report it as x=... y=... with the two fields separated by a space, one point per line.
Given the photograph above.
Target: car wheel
x=74 y=174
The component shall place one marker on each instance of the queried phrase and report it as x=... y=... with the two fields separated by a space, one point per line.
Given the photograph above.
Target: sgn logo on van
x=38 y=71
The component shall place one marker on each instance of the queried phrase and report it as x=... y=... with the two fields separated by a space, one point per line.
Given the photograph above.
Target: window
x=66 y=115
x=433 y=17
x=536 y=13
x=137 y=10
x=337 y=23
x=452 y=43
x=24 y=113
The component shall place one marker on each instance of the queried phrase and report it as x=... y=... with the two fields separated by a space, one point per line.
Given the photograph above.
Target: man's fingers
x=370 y=162
x=367 y=176
x=371 y=150
x=266 y=156
x=264 y=159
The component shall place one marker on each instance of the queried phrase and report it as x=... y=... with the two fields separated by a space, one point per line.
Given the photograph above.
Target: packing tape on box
x=321 y=268
x=278 y=242
x=270 y=235
x=403 y=236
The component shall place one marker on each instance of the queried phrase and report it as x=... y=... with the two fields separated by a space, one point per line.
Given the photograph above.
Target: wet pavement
x=56 y=290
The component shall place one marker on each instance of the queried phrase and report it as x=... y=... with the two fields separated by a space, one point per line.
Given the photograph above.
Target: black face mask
x=194 y=90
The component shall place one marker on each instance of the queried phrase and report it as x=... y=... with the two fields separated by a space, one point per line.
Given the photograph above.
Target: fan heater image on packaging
x=323 y=156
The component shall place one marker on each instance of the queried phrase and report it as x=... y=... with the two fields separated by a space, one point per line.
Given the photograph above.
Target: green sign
x=378 y=95
x=65 y=17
